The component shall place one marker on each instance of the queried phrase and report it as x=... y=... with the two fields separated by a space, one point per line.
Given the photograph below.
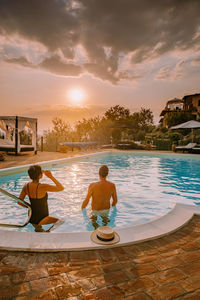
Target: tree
x=117 y=113
x=175 y=136
x=61 y=128
x=130 y=126
x=142 y=119
x=85 y=129
x=116 y=124
x=145 y=118
x=175 y=118
x=93 y=129
x=61 y=132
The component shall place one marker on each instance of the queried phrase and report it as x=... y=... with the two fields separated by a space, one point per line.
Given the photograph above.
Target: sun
x=76 y=96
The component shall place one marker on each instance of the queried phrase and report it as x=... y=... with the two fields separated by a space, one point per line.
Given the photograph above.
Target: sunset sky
x=75 y=59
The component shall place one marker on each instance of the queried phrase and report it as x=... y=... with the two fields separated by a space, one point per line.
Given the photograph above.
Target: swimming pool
x=148 y=186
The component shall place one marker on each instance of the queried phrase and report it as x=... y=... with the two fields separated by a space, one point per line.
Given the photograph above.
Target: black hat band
x=105 y=240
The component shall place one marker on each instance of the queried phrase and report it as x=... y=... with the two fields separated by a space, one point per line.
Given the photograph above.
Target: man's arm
x=87 y=199
x=114 y=196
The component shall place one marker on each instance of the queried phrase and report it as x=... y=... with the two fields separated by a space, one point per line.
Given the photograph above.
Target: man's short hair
x=34 y=172
x=103 y=171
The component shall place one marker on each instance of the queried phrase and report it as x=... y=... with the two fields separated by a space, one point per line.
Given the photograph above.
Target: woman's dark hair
x=103 y=171
x=34 y=172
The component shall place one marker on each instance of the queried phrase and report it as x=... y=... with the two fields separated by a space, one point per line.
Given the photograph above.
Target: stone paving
x=164 y=268
x=31 y=158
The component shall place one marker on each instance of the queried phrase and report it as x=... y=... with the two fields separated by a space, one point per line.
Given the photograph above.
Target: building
x=192 y=103
x=189 y=104
x=173 y=105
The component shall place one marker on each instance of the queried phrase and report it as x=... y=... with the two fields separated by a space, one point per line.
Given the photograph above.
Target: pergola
x=16 y=124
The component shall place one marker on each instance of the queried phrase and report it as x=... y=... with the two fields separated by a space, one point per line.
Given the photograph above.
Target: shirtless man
x=101 y=193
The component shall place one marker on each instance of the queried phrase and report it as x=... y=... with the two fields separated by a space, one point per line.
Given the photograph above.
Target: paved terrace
x=165 y=268
x=31 y=158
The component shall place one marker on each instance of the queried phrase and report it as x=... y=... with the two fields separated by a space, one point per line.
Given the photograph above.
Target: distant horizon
x=72 y=114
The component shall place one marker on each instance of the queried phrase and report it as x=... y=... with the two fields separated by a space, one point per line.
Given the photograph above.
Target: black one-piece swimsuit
x=39 y=207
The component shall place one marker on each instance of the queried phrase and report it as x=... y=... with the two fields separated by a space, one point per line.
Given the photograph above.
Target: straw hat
x=105 y=235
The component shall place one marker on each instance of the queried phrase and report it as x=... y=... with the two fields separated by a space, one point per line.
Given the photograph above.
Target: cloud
x=20 y=61
x=195 y=62
x=171 y=73
x=163 y=73
x=55 y=65
x=91 y=36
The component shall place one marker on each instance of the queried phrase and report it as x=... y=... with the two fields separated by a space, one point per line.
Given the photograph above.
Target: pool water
x=148 y=186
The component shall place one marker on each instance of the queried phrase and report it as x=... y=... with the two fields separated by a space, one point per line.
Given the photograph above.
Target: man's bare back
x=101 y=192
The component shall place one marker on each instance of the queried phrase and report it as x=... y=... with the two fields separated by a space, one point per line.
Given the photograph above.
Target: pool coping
x=176 y=218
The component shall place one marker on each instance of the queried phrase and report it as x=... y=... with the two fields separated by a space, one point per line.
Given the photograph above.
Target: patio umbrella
x=187 y=125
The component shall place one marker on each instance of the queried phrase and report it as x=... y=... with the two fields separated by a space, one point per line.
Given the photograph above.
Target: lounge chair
x=187 y=147
x=196 y=149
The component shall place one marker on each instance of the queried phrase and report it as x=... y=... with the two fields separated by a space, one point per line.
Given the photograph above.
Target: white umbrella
x=188 y=125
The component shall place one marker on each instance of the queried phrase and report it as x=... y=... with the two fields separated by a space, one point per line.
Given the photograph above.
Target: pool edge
x=176 y=218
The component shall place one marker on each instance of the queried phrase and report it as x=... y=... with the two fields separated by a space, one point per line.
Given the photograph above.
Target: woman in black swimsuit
x=37 y=193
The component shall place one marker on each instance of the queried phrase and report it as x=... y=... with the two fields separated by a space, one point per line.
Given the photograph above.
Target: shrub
x=175 y=136
x=163 y=144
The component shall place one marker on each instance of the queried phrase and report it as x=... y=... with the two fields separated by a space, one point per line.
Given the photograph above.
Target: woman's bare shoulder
x=44 y=185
